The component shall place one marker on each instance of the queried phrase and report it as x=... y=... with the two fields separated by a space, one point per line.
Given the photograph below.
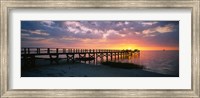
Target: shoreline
x=86 y=70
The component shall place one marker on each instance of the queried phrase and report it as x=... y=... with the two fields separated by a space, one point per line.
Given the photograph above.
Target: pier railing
x=64 y=50
x=29 y=55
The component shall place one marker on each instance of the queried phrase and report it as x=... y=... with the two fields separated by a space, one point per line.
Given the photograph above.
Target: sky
x=142 y=35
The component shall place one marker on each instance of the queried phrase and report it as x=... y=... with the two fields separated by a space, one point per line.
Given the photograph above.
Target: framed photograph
x=100 y=48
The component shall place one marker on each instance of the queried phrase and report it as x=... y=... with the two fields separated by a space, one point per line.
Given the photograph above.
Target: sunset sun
x=129 y=48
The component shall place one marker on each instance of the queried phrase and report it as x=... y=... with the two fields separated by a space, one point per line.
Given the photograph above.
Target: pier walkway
x=29 y=55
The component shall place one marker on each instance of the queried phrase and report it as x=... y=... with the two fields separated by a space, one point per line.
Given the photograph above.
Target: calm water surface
x=166 y=62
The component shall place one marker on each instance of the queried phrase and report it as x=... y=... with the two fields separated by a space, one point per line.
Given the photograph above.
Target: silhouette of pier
x=29 y=55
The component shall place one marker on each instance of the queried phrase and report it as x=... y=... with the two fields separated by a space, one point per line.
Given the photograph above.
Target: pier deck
x=29 y=55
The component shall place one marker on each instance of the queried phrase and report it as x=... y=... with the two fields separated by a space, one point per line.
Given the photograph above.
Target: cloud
x=165 y=29
x=39 y=32
x=47 y=23
x=77 y=27
x=33 y=38
x=148 y=31
x=160 y=29
x=73 y=30
x=126 y=23
x=25 y=35
x=70 y=38
x=148 y=23
x=109 y=32
x=113 y=34
x=137 y=33
x=119 y=24
x=72 y=23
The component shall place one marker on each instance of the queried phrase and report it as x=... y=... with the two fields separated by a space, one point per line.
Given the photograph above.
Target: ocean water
x=166 y=62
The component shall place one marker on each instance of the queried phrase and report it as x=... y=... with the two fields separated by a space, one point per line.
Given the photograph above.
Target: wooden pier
x=29 y=55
